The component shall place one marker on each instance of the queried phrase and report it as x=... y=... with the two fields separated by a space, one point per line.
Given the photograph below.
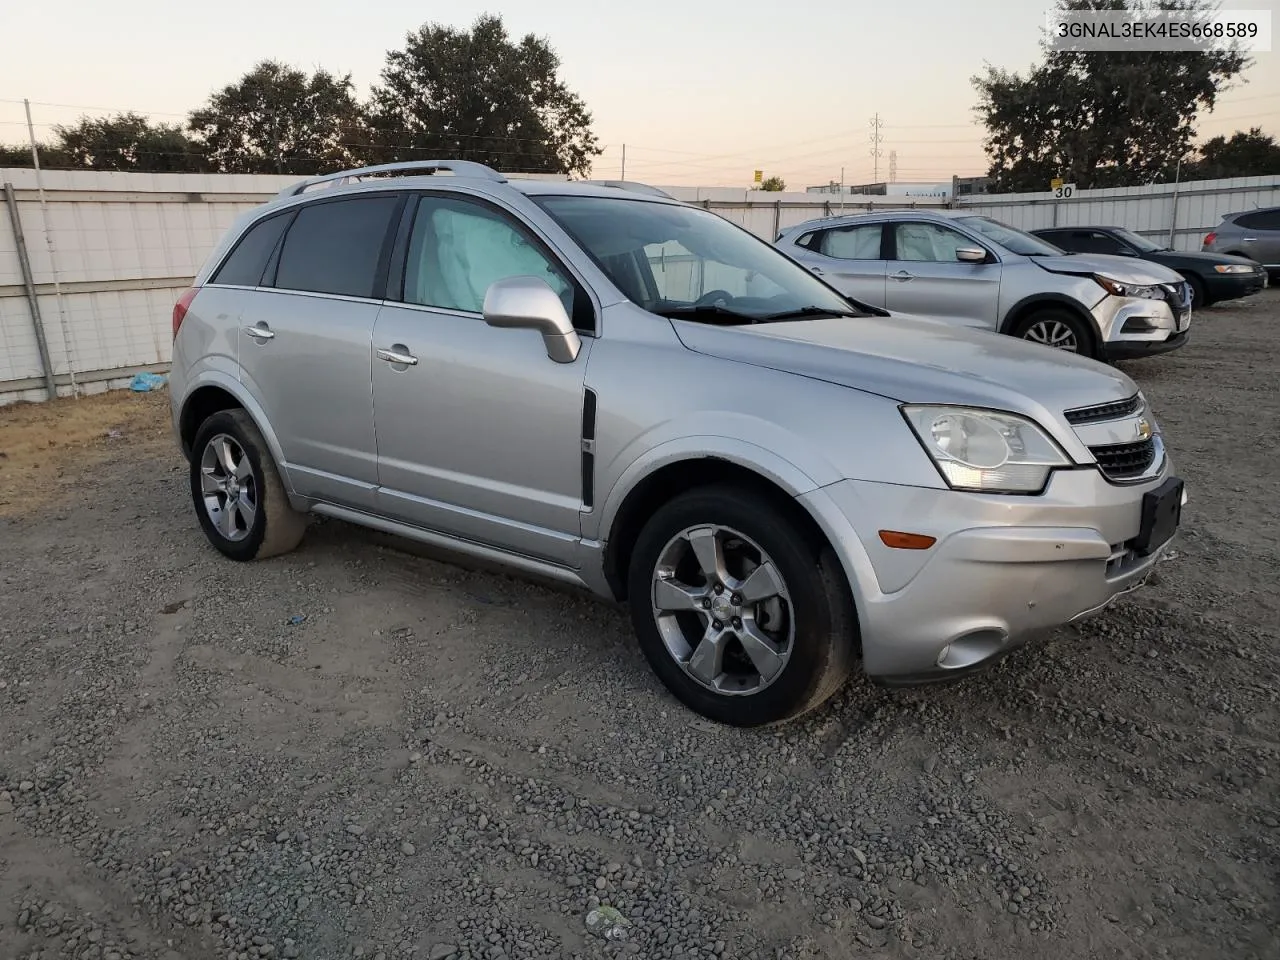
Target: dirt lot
x=354 y=751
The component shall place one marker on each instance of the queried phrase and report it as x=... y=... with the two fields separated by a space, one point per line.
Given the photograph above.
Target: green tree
x=1101 y=119
x=129 y=141
x=773 y=185
x=479 y=95
x=1251 y=154
x=52 y=157
x=276 y=119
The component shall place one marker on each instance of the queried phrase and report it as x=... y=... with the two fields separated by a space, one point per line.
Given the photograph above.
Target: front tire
x=237 y=492
x=739 y=614
x=1199 y=299
x=1060 y=329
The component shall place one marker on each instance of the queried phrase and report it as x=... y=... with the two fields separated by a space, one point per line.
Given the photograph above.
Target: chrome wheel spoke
x=763 y=583
x=244 y=469
x=707 y=661
x=225 y=521
x=226 y=459
x=246 y=512
x=710 y=553
x=764 y=656
x=672 y=597
x=210 y=483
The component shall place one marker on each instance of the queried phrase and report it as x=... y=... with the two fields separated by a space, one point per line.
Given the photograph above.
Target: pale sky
x=702 y=92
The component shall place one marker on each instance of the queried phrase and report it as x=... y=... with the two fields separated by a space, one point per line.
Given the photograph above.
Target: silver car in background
x=632 y=395
x=977 y=272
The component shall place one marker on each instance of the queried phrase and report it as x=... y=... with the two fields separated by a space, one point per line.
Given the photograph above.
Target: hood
x=1122 y=269
x=919 y=361
x=1199 y=257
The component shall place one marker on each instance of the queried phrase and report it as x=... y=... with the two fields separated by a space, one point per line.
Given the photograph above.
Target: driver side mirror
x=528 y=303
x=971 y=255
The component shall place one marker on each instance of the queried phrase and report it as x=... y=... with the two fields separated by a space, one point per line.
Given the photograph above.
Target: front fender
x=646 y=455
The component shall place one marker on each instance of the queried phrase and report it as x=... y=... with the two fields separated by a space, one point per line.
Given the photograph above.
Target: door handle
x=902 y=276
x=1250 y=239
x=260 y=332
x=398 y=354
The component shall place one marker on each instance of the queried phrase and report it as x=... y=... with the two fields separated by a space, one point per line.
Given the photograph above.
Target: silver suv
x=977 y=272
x=622 y=392
x=1250 y=233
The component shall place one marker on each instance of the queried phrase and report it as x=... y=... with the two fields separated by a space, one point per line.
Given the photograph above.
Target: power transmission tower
x=876 y=139
x=893 y=166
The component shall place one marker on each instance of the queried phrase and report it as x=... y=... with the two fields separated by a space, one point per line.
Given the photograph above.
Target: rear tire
x=769 y=637
x=1059 y=329
x=239 y=498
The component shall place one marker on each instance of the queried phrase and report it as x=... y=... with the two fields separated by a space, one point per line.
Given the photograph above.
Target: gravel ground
x=354 y=751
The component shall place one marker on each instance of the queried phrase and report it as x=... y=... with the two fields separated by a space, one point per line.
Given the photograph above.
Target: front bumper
x=1003 y=568
x=1232 y=286
x=1140 y=327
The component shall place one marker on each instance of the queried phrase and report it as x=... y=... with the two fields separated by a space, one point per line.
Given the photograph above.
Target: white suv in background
x=977 y=272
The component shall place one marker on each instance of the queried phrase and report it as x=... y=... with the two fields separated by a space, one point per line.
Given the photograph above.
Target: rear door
x=305 y=341
x=850 y=258
x=924 y=276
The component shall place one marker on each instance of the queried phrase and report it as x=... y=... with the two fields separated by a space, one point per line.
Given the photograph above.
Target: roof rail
x=632 y=186
x=459 y=168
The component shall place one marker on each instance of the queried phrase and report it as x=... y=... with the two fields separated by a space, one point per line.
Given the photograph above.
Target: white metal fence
x=109 y=253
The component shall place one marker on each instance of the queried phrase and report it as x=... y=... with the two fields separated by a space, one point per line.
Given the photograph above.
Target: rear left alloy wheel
x=238 y=495
x=742 y=617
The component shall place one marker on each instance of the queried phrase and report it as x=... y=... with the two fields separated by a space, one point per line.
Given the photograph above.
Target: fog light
x=942 y=654
x=1139 y=325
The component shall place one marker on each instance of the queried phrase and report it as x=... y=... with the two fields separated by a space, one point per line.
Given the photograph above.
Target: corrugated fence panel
x=139 y=238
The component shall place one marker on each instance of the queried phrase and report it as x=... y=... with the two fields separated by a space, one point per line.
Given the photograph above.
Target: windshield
x=680 y=261
x=1015 y=241
x=1141 y=244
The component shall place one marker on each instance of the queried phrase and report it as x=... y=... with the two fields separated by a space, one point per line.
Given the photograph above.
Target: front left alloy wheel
x=740 y=614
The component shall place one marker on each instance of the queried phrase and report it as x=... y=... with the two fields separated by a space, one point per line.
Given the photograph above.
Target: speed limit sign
x=1064 y=191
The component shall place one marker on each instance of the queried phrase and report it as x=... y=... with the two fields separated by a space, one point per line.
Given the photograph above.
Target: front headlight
x=1142 y=292
x=1232 y=268
x=985 y=451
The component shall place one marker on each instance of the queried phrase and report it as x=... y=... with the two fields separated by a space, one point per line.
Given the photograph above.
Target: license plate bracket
x=1161 y=514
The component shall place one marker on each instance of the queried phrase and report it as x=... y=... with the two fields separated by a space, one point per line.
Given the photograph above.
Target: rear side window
x=334 y=247
x=249 y=258
x=1260 y=220
x=852 y=243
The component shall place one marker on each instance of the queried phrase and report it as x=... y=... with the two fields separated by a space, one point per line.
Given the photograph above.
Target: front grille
x=1177 y=295
x=1104 y=411
x=1125 y=461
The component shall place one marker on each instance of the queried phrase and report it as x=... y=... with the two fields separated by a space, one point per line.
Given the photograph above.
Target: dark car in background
x=1250 y=233
x=1211 y=276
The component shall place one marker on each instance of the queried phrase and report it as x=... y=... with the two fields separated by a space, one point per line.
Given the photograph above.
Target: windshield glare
x=1013 y=240
x=1139 y=243
x=682 y=261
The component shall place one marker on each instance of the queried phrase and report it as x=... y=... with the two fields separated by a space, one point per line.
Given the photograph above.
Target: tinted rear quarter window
x=334 y=246
x=249 y=258
x=1260 y=220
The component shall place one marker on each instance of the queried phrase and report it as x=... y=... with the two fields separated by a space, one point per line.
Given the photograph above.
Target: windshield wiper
x=811 y=311
x=695 y=311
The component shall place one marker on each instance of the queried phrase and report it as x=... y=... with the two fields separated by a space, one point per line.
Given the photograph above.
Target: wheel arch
x=629 y=511
x=1041 y=301
x=216 y=391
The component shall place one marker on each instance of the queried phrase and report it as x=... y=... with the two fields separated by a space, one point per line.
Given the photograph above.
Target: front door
x=479 y=431
x=926 y=278
x=304 y=346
